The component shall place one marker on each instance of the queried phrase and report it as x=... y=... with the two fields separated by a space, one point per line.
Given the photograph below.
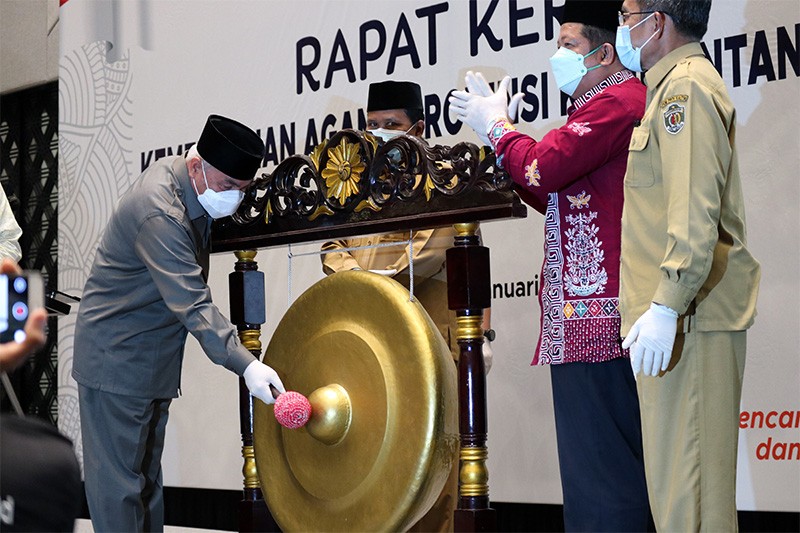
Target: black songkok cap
x=394 y=95
x=599 y=13
x=231 y=147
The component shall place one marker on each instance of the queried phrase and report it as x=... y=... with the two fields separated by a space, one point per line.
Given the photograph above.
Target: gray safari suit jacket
x=147 y=289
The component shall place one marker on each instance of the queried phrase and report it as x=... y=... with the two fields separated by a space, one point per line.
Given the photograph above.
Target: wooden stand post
x=469 y=293
x=248 y=312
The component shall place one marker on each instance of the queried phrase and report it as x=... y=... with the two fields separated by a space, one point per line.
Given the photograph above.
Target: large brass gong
x=383 y=433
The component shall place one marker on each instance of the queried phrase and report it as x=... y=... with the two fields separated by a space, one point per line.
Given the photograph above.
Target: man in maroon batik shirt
x=574 y=176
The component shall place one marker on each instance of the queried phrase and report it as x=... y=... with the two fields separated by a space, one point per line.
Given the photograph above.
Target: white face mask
x=218 y=204
x=631 y=57
x=568 y=68
x=388 y=135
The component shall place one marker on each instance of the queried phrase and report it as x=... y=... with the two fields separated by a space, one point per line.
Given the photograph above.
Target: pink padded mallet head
x=292 y=410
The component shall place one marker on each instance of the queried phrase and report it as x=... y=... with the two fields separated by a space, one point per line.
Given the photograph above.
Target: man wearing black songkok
x=147 y=289
x=395 y=108
x=574 y=176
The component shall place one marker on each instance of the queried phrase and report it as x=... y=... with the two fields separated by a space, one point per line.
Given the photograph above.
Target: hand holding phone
x=19 y=295
x=22 y=314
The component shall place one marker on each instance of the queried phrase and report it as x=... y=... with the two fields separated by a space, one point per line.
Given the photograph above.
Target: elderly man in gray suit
x=147 y=289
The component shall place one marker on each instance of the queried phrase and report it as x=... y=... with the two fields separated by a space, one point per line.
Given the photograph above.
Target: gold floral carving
x=367 y=204
x=343 y=171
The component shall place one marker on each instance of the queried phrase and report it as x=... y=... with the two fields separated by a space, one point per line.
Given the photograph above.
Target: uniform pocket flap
x=639 y=139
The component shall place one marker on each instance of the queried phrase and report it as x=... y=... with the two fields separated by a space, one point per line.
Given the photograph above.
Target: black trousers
x=599 y=436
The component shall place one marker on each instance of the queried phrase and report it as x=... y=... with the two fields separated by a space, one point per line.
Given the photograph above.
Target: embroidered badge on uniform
x=674 y=118
x=674 y=98
x=580 y=128
x=532 y=174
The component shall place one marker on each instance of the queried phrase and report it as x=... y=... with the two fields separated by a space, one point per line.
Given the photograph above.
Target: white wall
x=28 y=43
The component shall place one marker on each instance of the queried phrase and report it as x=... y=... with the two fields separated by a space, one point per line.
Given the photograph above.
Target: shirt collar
x=663 y=66
x=193 y=207
x=615 y=79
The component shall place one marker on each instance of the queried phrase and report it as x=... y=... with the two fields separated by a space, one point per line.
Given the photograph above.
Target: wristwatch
x=489 y=334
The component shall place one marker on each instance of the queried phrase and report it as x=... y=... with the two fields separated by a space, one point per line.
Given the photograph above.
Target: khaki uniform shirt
x=683 y=223
x=430 y=277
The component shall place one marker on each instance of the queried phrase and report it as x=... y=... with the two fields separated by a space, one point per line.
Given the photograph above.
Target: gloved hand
x=488 y=355
x=477 y=84
x=388 y=272
x=480 y=112
x=652 y=337
x=258 y=377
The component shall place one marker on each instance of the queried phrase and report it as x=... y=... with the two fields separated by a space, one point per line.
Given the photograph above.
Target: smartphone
x=19 y=295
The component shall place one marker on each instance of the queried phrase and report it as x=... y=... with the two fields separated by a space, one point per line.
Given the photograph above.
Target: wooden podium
x=353 y=186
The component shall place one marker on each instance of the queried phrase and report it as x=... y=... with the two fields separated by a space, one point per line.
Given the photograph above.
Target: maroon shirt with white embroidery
x=574 y=175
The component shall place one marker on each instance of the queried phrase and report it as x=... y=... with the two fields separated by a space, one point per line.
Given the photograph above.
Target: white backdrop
x=298 y=71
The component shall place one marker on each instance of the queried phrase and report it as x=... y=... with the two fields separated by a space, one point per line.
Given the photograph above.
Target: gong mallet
x=292 y=409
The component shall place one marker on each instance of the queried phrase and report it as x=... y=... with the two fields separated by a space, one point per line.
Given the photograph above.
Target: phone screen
x=18 y=295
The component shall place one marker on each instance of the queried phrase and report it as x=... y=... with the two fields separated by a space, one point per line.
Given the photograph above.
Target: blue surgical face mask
x=568 y=68
x=218 y=204
x=631 y=57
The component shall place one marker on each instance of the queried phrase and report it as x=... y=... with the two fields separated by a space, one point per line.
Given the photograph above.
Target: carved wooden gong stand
x=349 y=186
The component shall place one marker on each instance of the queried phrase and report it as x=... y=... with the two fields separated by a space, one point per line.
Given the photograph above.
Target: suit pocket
x=640 y=171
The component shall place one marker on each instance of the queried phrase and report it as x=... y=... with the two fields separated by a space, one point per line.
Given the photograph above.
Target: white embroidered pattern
x=580 y=128
x=585 y=274
x=551 y=348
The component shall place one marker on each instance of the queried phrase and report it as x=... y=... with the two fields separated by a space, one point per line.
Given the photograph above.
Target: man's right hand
x=651 y=339
x=477 y=111
x=477 y=84
x=258 y=377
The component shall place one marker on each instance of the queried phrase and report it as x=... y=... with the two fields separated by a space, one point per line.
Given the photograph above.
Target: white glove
x=481 y=112
x=388 y=272
x=477 y=84
x=258 y=377
x=478 y=111
x=652 y=337
x=488 y=355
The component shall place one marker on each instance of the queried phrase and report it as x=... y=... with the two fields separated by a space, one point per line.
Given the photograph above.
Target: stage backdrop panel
x=297 y=72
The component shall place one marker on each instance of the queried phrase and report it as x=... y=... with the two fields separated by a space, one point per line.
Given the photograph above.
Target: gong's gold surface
x=333 y=414
x=355 y=341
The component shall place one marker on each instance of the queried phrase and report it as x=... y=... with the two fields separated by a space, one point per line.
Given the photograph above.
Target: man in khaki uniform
x=388 y=254
x=395 y=108
x=688 y=282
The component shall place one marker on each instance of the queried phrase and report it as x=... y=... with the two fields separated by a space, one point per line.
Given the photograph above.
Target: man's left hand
x=477 y=84
x=479 y=112
x=479 y=108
